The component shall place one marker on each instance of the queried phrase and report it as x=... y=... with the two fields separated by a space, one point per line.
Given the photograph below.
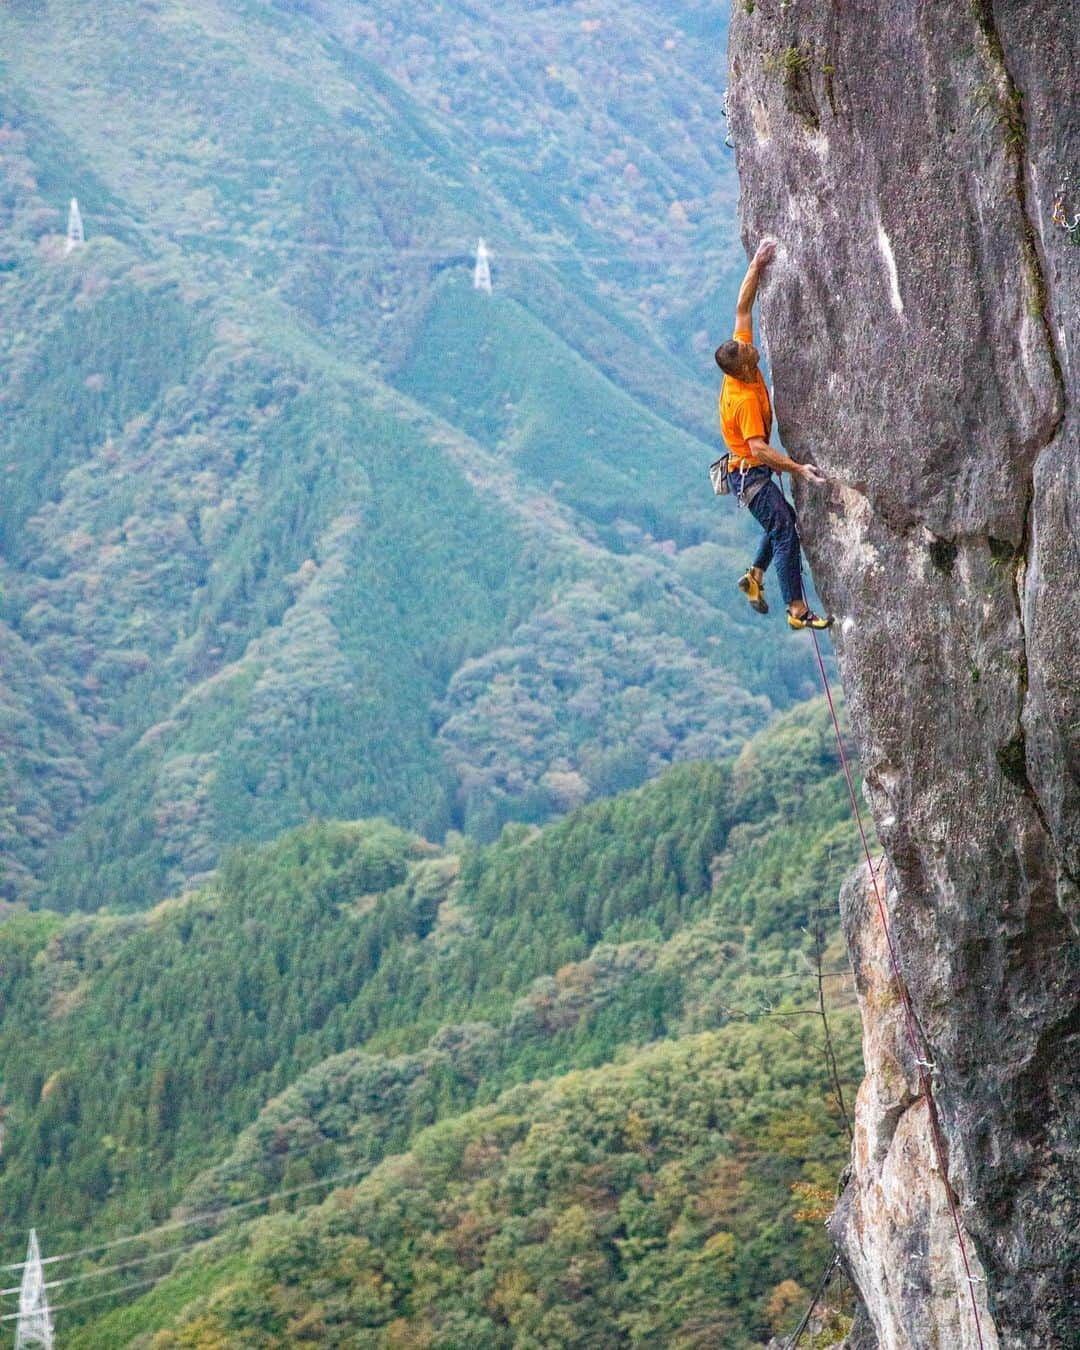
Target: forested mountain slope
x=278 y=479
x=662 y=1200
x=328 y=997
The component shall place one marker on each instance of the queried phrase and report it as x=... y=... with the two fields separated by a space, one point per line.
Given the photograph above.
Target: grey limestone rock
x=921 y=323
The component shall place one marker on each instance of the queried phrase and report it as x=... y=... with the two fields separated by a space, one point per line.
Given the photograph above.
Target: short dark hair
x=727 y=357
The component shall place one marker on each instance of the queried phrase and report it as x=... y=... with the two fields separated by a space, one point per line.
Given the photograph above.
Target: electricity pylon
x=482 y=274
x=76 y=236
x=34 y=1327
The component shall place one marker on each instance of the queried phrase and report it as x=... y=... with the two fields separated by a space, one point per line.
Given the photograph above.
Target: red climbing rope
x=922 y=1060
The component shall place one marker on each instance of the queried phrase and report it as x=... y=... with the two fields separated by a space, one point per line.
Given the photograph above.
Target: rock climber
x=746 y=424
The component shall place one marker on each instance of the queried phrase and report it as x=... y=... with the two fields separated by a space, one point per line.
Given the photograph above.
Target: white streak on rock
x=853 y=527
x=890 y=264
x=760 y=117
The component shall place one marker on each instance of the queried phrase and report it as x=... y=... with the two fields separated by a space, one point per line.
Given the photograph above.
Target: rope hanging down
x=823 y=1284
x=922 y=1060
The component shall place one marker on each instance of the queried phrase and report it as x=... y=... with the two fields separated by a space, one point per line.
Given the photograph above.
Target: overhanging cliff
x=921 y=321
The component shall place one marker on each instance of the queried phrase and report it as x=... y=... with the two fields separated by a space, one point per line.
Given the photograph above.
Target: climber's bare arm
x=776 y=459
x=744 y=306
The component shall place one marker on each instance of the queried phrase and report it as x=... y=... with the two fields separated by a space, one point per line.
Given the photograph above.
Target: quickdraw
x=1059 y=215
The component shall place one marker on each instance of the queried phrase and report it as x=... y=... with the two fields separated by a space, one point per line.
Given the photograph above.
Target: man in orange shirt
x=746 y=424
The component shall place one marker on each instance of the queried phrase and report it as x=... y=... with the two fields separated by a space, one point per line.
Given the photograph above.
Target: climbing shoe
x=809 y=620
x=754 y=592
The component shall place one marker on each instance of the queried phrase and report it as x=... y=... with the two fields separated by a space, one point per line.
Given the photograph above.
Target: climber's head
x=739 y=359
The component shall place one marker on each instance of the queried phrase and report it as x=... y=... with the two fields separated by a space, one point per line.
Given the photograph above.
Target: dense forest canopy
x=330 y=996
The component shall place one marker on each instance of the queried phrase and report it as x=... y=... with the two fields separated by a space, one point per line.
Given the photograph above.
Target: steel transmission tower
x=76 y=236
x=482 y=274
x=34 y=1327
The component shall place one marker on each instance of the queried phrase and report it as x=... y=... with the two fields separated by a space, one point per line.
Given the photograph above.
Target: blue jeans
x=774 y=513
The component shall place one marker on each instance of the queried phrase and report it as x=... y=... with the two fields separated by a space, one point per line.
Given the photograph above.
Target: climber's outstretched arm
x=744 y=306
x=781 y=463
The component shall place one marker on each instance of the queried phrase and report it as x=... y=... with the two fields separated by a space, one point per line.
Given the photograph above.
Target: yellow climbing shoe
x=809 y=620
x=754 y=592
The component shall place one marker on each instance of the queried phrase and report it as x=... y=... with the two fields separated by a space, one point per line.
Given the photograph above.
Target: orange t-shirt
x=745 y=411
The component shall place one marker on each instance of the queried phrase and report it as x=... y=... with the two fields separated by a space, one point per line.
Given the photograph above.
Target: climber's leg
x=763 y=558
x=772 y=511
x=775 y=514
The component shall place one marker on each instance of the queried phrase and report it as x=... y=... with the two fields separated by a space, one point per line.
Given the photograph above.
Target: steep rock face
x=921 y=320
x=893 y=1220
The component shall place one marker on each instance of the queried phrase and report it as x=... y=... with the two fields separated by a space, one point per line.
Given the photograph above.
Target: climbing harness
x=924 y=1064
x=743 y=496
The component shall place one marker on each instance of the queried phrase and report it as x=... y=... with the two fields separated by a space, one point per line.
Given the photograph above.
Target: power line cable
x=206 y=1216
x=224 y=1170
x=449 y=252
x=178 y=1250
x=92 y=1298
x=241 y=1165
x=229 y=1170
